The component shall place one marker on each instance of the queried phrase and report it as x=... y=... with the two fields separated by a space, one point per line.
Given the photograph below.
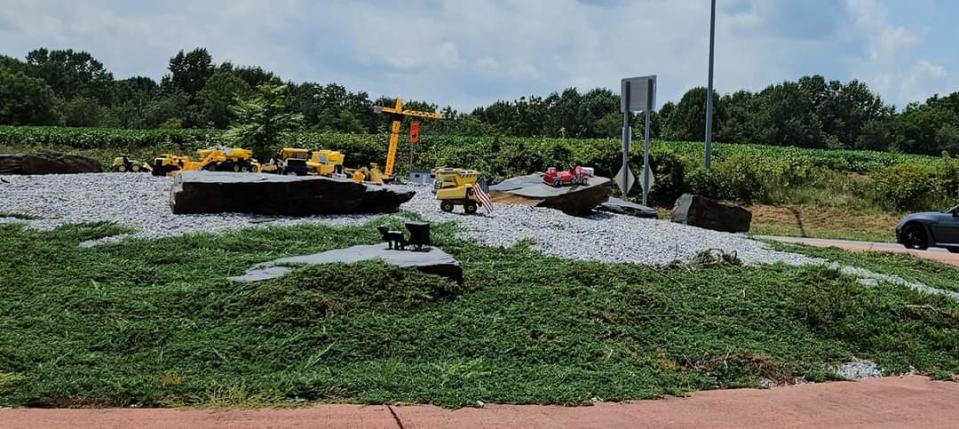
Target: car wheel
x=914 y=237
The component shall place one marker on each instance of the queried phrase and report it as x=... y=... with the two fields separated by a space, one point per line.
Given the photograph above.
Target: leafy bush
x=916 y=187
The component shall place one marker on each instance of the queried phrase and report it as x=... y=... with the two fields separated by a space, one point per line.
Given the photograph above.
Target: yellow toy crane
x=397 y=113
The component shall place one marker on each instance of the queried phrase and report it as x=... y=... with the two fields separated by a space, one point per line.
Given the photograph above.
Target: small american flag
x=481 y=190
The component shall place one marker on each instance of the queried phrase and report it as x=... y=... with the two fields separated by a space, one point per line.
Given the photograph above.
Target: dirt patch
x=823 y=222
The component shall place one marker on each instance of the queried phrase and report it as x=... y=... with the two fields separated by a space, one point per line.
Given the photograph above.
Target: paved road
x=895 y=402
x=935 y=254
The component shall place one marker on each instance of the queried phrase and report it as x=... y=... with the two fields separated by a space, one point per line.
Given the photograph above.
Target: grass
x=824 y=221
x=20 y=216
x=155 y=323
x=915 y=269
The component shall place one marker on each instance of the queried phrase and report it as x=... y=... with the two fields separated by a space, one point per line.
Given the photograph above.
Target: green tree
x=83 y=112
x=26 y=100
x=262 y=119
x=190 y=71
x=687 y=121
x=786 y=116
x=218 y=94
x=71 y=73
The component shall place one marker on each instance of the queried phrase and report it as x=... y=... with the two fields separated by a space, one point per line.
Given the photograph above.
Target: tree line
x=72 y=88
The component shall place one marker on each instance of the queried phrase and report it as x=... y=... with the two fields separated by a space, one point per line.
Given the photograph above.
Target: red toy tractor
x=575 y=176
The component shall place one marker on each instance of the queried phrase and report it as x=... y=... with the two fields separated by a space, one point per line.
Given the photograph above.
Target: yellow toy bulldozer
x=123 y=164
x=213 y=159
x=370 y=175
x=454 y=186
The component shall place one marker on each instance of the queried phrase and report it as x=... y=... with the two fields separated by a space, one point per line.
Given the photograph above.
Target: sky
x=467 y=53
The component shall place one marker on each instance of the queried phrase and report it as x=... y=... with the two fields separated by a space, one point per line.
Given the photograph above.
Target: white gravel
x=141 y=201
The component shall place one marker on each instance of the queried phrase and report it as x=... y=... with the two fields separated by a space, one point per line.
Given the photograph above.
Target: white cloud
x=891 y=67
x=467 y=53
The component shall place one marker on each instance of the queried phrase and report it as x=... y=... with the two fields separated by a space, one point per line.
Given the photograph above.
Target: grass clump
x=156 y=323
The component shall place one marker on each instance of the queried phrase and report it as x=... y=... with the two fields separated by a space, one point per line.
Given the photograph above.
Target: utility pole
x=709 y=85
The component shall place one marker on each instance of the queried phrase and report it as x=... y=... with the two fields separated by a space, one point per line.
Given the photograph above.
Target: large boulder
x=703 y=212
x=431 y=261
x=576 y=200
x=620 y=206
x=47 y=163
x=272 y=194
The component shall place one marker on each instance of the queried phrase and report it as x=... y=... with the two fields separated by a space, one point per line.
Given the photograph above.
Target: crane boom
x=396 y=114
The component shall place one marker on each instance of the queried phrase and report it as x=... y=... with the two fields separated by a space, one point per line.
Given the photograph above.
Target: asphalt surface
x=893 y=402
x=933 y=253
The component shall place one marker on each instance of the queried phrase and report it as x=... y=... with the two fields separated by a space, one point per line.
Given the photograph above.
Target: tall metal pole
x=709 y=85
x=646 y=170
x=627 y=136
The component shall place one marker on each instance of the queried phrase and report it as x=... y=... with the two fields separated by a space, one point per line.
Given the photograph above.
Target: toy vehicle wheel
x=914 y=237
x=470 y=207
x=135 y=168
x=557 y=183
x=122 y=168
x=446 y=206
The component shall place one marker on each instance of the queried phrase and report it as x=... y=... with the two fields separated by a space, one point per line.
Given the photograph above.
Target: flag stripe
x=482 y=196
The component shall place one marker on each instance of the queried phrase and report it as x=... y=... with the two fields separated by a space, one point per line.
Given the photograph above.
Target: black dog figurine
x=394 y=239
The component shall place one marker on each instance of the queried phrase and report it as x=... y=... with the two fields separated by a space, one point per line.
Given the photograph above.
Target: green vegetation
x=66 y=87
x=930 y=273
x=155 y=323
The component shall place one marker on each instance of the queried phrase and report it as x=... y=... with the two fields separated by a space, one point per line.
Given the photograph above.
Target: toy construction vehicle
x=288 y=161
x=576 y=176
x=370 y=175
x=212 y=159
x=123 y=164
x=456 y=187
x=326 y=162
x=301 y=162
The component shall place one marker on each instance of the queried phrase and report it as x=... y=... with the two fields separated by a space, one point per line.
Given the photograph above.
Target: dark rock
x=576 y=200
x=616 y=205
x=271 y=194
x=47 y=163
x=703 y=212
x=429 y=260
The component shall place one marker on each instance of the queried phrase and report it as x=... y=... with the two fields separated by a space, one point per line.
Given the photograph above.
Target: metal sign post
x=637 y=94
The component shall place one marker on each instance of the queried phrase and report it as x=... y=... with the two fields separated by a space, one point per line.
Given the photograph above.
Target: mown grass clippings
x=156 y=323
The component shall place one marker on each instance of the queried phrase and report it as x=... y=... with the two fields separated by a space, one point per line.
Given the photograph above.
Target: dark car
x=930 y=229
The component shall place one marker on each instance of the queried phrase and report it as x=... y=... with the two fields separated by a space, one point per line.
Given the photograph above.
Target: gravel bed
x=141 y=202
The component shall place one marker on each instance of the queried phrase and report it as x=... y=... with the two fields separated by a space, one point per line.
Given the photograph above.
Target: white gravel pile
x=141 y=201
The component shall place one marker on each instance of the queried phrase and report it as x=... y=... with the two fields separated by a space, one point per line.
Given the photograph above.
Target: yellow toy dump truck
x=213 y=159
x=455 y=186
x=123 y=164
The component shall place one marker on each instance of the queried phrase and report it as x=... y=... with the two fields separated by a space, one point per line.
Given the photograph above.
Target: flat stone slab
x=430 y=261
x=47 y=163
x=272 y=194
x=621 y=206
x=529 y=190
